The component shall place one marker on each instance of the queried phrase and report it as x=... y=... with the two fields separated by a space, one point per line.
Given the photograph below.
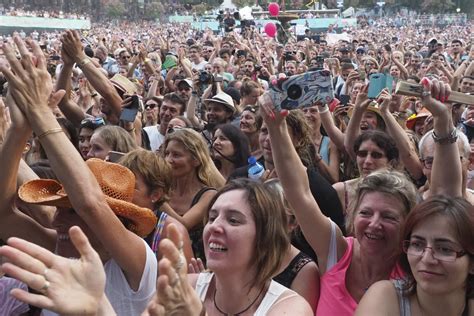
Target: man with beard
x=219 y=110
x=184 y=89
x=171 y=107
x=457 y=55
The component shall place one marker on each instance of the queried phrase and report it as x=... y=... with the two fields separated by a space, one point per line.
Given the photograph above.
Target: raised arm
x=408 y=154
x=316 y=227
x=353 y=129
x=334 y=133
x=14 y=223
x=73 y=46
x=444 y=180
x=70 y=109
x=31 y=86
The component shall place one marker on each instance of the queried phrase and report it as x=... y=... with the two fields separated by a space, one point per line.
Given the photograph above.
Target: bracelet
x=84 y=62
x=324 y=110
x=451 y=138
x=50 y=131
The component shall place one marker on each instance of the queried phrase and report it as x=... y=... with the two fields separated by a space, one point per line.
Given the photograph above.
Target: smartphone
x=344 y=99
x=55 y=57
x=130 y=112
x=115 y=156
x=218 y=78
x=378 y=82
x=361 y=74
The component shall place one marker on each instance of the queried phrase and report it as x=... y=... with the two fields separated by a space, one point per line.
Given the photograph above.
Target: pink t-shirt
x=335 y=299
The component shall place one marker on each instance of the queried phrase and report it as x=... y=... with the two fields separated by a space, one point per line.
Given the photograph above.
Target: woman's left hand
x=69 y=286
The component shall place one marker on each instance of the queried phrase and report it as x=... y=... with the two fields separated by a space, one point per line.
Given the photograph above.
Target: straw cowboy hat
x=117 y=183
x=422 y=115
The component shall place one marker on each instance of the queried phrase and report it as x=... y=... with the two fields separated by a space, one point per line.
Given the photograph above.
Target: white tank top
x=271 y=296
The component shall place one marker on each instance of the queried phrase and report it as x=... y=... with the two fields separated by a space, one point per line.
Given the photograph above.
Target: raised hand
x=68 y=286
x=72 y=45
x=175 y=296
x=435 y=93
x=29 y=81
x=384 y=100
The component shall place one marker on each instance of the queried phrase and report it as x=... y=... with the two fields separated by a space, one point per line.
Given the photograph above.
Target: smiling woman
x=438 y=259
x=245 y=239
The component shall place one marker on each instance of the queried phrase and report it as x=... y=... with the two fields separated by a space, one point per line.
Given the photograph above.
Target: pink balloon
x=270 y=29
x=274 y=9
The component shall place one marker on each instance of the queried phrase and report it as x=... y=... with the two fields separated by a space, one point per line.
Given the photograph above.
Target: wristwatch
x=451 y=138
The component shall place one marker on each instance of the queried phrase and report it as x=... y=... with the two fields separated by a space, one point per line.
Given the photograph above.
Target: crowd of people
x=148 y=170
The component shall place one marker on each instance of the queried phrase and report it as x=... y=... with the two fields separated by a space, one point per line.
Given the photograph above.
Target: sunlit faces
x=370 y=158
x=395 y=72
x=222 y=146
x=369 y=121
x=84 y=141
x=230 y=233
x=312 y=116
x=248 y=124
x=169 y=110
x=181 y=160
x=377 y=223
x=435 y=276
x=98 y=147
x=217 y=114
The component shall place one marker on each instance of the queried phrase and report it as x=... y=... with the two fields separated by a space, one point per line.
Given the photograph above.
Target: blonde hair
x=117 y=138
x=207 y=172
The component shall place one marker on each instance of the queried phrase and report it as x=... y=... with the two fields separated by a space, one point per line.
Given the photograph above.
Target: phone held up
x=378 y=82
x=129 y=113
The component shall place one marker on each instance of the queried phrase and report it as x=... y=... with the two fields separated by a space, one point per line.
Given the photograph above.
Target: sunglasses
x=150 y=106
x=252 y=109
x=126 y=57
x=373 y=154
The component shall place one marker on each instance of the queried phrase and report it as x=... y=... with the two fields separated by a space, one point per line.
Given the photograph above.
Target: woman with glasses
x=438 y=259
x=152 y=107
x=374 y=150
x=347 y=265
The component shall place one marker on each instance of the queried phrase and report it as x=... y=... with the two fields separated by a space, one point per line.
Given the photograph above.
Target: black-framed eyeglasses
x=439 y=252
x=373 y=154
x=95 y=121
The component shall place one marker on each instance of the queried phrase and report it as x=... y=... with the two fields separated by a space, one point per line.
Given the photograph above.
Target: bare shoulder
x=290 y=303
x=382 y=291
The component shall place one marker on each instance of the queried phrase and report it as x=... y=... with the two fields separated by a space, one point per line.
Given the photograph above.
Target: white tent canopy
x=228 y=5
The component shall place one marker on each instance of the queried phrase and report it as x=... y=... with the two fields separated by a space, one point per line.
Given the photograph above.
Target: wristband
x=451 y=138
x=83 y=62
x=50 y=131
x=324 y=110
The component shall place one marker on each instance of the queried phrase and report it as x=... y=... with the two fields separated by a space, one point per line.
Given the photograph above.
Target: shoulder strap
x=198 y=195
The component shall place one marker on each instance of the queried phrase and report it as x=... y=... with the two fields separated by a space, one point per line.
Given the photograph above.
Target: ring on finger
x=45 y=287
x=45 y=274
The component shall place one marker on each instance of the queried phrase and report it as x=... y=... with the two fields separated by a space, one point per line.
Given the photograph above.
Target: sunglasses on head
x=95 y=121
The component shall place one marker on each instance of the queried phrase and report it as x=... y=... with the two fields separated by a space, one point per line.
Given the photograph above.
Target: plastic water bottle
x=255 y=170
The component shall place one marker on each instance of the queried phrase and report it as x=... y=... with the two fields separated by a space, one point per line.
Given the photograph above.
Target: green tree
x=438 y=6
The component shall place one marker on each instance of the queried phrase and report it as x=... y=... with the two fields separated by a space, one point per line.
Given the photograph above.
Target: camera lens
x=294 y=92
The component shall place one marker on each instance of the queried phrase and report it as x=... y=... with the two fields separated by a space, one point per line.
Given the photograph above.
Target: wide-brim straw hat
x=123 y=84
x=117 y=183
x=422 y=115
x=373 y=107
